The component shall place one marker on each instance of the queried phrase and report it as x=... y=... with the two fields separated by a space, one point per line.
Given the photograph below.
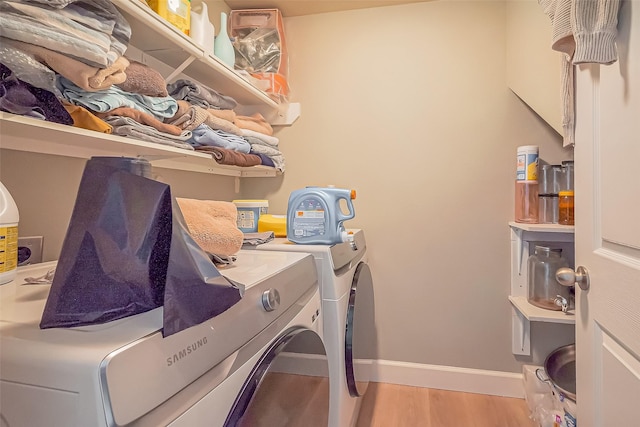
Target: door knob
x=568 y=277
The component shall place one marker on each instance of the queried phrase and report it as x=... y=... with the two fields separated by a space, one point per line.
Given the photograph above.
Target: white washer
x=349 y=334
x=125 y=373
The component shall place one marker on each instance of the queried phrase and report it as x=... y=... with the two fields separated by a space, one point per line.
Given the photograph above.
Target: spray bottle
x=314 y=215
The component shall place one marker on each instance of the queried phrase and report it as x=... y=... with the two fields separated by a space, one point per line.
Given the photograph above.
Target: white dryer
x=349 y=328
x=124 y=373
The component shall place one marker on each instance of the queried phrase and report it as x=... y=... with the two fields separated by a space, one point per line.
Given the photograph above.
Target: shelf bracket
x=175 y=73
x=236 y=184
x=520 y=333
x=520 y=250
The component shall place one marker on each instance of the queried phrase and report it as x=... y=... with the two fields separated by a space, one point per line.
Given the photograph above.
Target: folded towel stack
x=213 y=225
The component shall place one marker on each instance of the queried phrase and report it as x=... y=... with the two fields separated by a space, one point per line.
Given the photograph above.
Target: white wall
x=409 y=106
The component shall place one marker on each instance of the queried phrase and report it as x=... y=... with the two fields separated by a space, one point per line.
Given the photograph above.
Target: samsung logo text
x=176 y=357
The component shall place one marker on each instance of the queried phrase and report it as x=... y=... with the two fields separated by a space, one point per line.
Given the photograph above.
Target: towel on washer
x=255 y=239
x=213 y=225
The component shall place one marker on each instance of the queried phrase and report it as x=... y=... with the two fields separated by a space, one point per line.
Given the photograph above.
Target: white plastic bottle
x=202 y=30
x=8 y=236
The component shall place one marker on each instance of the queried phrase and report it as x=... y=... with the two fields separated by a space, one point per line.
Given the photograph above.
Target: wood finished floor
x=391 y=405
x=384 y=405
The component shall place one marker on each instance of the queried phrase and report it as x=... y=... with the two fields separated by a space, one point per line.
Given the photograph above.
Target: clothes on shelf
x=64 y=61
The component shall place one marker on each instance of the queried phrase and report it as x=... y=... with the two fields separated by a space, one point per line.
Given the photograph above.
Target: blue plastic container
x=314 y=215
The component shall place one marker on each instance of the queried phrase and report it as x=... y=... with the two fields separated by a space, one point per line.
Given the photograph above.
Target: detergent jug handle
x=352 y=212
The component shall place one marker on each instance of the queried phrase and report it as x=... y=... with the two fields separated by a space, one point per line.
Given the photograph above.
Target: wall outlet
x=29 y=250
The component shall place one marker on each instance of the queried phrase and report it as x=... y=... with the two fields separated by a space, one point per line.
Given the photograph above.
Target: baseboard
x=496 y=383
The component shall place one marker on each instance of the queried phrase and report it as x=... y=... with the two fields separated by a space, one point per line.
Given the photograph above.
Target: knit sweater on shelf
x=585 y=32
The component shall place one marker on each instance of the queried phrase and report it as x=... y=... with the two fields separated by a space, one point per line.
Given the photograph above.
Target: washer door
x=272 y=394
x=359 y=337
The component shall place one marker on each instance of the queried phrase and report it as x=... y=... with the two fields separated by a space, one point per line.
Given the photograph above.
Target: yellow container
x=176 y=12
x=275 y=223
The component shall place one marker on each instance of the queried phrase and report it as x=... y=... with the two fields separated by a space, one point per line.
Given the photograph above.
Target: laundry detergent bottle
x=314 y=215
x=8 y=236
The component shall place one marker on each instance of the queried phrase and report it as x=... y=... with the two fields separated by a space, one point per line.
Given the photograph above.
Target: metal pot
x=560 y=368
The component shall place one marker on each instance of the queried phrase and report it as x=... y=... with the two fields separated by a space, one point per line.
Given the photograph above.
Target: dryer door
x=360 y=334
x=277 y=393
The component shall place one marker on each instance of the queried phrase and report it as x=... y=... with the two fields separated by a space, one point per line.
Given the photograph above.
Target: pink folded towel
x=255 y=122
x=213 y=225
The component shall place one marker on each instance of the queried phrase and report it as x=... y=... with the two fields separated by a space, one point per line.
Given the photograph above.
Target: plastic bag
x=261 y=49
x=257 y=50
x=127 y=251
x=548 y=407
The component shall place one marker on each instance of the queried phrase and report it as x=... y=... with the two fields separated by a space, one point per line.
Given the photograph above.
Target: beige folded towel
x=213 y=225
x=189 y=117
x=215 y=122
x=84 y=76
x=255 y=122
x=229 y=115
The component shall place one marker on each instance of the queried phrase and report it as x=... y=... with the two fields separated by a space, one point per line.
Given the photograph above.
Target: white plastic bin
x=249 y=212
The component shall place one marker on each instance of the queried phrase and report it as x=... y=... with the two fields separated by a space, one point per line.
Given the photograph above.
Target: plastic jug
x=314 y=215
x=8 y=236
x=202 y=30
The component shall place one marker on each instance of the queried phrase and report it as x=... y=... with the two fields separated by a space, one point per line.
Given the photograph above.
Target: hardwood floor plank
x=305 y=404
x=449 y=409
x=510 y=412
x=286 y=400
x=391 y=405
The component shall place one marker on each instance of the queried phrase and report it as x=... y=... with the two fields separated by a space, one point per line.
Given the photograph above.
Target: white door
x=607 y=155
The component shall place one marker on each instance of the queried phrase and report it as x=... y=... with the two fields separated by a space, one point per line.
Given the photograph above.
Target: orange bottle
x=566 y=208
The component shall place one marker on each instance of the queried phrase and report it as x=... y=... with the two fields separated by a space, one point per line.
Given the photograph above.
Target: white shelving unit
x=537 y=314
x=38 y=136
x=158 y=39
x=523 y=237
x=154 y=36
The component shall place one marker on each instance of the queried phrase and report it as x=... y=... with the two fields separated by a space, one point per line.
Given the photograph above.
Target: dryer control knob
x=270 y=299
